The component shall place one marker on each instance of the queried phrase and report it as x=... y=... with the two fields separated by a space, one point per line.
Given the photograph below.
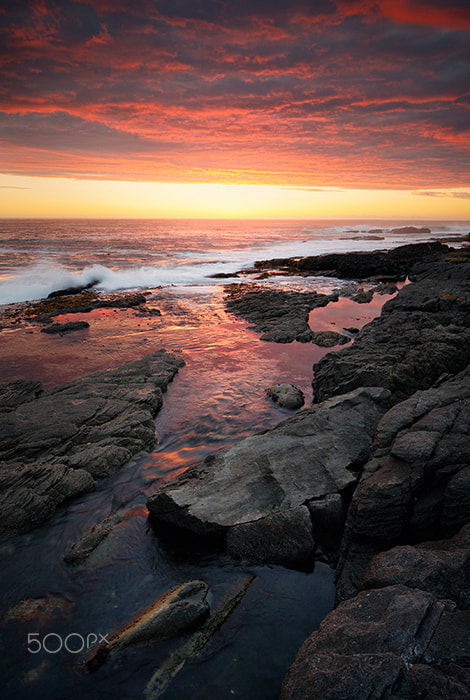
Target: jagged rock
x=327 y=339
x=414 y=487
x=306 y=457
x=328 y=515
x=397 y=262
x=182 y=609
x=286 y=395
x=422 y=333
x=53 y=442
x=367 y=646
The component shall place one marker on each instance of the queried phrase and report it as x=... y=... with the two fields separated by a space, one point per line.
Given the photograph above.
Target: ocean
x=40 y=256
x=215 y=400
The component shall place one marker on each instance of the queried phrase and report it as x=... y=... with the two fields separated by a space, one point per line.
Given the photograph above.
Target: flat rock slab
x=53 y=444
x=255 y=492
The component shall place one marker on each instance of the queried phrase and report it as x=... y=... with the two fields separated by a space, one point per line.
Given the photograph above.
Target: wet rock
x=411 y=229
x=281 y=316
x=83 y=547
x=13 y=394
x=422 y=333
x=328 y=515
x=30 y=493
x=65 y=327
x=414 y=487
x=293 y=544
x=397 y=262
x=367 y=647
x=306 y=457
x=441 y=568
x=286 y=395
x=83 y=302
x=363 y=297
x=182 y=609
x=52 y=446
x=385 y=288
x=41 y=611
x=327 y=339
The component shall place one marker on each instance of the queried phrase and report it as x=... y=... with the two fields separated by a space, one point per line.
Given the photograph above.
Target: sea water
x=216 y=399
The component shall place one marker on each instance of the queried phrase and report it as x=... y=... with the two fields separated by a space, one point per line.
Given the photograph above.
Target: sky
x=245 y=108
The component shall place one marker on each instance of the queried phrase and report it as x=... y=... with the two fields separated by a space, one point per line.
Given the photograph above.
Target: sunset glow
x=156 y=108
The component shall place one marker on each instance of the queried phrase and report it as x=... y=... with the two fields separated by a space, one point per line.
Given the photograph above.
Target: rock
x=53 y=442
x=83 y=547
x=328 y=515
x=286 y=395
x=281 y=316
x=363 y=297
x=82 y=302
x=411 y=229
x=415 y=485
x=441 y=568
x=397 y=262
x=368 y=647
x=306 y=457
x=293 y=544
x=385 y=288
x=13 y=394
x=31 y=493
x=327 y=339
x=182 y=609
x=65 y=327
x=38 y=611
x=422 y=333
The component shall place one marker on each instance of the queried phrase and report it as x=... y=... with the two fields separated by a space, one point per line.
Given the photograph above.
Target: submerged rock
x=61 y=328
x=254 y=493
x=182 y=609
x=83 y=547
x=54 y=443
x=286 y=395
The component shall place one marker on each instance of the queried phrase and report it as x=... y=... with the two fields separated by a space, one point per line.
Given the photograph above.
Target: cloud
x=456 y=195
x=311 y=94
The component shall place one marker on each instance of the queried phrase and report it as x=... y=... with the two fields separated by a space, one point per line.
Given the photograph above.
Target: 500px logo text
x=74 y=642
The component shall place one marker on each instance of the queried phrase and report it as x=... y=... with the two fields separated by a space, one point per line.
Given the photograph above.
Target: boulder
x=327 y=339
x=254 y=492
x=286 y=395
x=61 y=328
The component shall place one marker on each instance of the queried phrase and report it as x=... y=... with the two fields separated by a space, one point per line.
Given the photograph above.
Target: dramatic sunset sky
x=243 y=108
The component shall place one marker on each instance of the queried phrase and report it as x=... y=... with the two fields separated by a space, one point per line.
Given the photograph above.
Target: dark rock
x=327 y=339
x=363 y=297
x=82 y=548
x=281 y=316
x=83 y=302
x=441 y=568
x=286 y=395
x=306 y=457
x=13 y=394
x=293 y=544
x=423 y=333
x=385 y=288
x=180 y=610
x=65 y=327
x=414 y=487
x=328 y=515
x=88 y=427
x=72 y=290
x=411 y=229
x=379 y=645
x=397 y=262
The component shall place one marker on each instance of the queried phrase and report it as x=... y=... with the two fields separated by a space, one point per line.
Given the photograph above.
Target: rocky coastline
x=375 y=475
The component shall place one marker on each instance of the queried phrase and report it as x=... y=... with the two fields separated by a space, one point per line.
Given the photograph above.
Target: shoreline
x=445 y=310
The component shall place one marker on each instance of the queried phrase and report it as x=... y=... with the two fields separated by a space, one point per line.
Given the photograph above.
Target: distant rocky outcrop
x=54 y=443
